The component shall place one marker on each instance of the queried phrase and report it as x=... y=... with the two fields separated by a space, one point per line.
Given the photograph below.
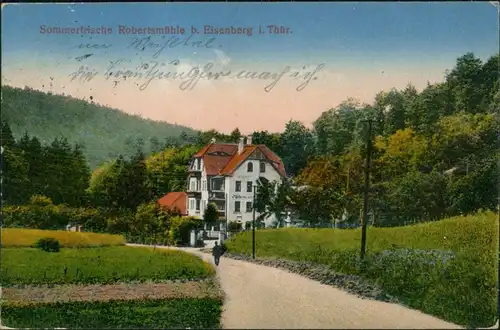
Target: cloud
x=222 y=57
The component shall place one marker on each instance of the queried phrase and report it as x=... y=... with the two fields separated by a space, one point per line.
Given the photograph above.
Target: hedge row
x=148 y=225
x=185 y=313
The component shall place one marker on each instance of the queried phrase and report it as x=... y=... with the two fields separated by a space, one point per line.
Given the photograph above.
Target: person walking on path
x=217 y=253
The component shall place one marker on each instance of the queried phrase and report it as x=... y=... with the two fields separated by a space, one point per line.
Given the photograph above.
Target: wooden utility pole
x=367 y=188
x=253 y=223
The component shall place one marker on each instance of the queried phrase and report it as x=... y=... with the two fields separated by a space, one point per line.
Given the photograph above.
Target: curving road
x=264 y=297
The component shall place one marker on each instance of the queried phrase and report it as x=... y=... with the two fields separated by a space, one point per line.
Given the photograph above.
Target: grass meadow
x=447 y=268
x=104 y=265
x=100 y=269
x=19 y=237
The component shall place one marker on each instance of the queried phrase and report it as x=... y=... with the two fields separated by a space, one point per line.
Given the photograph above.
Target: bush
x=188 y=313
x=41 y=214
x=40 y=200
x=48 y=244
x=180 y=230
x=234 y=227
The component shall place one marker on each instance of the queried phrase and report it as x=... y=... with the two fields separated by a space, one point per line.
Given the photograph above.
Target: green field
x=20 y=237
x=447 y=268
x=98 y=265
x=172 y=313
x=29 y=273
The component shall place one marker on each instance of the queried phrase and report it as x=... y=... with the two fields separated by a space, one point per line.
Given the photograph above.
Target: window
x=237 y=206
x=204 y=185
x=250 y=167
x=217 y=184
x=262 y=167
x=193 y=185
x=249 y=186
x=238 y=186
x=203 y=205
x=198 y=205
x=249 y=206
x=191 y=204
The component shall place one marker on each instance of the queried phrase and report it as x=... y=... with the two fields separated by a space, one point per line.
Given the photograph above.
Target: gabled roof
x=237 y=160
x=223 y=158
x=228 y=148
x=174 y=200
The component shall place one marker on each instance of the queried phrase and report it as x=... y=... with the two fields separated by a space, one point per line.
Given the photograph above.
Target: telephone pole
x=366 y=188
x=253 y=222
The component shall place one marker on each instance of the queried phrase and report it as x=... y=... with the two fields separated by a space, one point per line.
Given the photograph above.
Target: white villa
x=226 y=174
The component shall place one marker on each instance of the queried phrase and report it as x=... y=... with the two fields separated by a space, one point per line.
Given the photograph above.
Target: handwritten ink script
x=155 y=69
x=146 y=43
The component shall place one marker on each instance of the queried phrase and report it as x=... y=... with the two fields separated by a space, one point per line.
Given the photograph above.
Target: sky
x=323 y=54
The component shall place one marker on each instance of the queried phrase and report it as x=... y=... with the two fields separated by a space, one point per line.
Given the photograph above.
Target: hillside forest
x=435 y=154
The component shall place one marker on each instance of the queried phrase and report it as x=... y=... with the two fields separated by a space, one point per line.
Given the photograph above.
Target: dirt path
x=98 y=292
x=264 y=297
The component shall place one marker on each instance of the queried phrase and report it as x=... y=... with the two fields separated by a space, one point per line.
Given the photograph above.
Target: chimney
x=241 y=145
x=249 y=140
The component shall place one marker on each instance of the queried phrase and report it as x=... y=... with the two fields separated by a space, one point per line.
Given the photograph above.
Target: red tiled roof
x=238 y=159
x=215 y=165
x=174 y=200
x=229 y=148
x=273 y=158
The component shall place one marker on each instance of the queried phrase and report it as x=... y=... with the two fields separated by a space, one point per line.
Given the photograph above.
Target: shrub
x=40 y=200
x=48 y=244
x=180 y=229
x=41 y=214
x=188 y=313
x=234 y=227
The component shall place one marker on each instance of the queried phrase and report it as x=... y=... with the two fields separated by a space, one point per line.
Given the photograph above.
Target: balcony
x=216 y=196
x=195 y=165
x=194 y=188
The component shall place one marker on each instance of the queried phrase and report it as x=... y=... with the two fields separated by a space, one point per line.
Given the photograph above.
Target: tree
x=334 y=128
x=400 y=152
x=235 y=135
x=270 y=140
x=466 y=80
x=297 y=145
x=7 y=138
x=15 y=176
x=154 y=144
x=211 y=215
x=321 y=187
x=168 y=170
x=273 y=199
x=65 y=172
x=134 y=178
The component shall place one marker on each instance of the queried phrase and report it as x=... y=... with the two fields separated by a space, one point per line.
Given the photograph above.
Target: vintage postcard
x=241 y=165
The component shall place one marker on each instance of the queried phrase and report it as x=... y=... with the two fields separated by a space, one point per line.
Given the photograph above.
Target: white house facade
x=226 y=174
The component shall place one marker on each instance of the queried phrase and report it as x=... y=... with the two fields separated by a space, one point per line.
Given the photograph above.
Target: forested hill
x=103 y=132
